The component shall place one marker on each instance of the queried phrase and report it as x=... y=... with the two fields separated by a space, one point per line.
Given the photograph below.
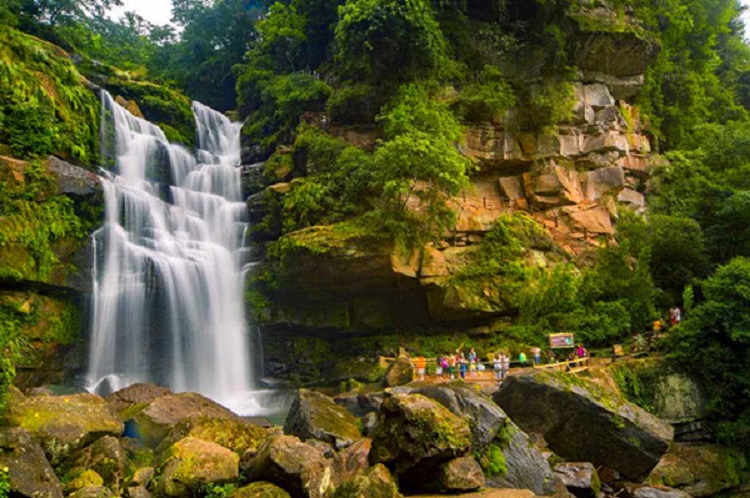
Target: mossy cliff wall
x=540 y=196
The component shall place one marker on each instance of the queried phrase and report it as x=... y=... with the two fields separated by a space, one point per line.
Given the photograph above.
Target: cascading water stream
x=168 y=302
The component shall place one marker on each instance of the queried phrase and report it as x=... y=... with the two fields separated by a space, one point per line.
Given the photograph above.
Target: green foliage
x=487 y=97
x=44 y=106
x=545 y=105
x=213 y=490
x=389 y=41
x=4 y=482
x=637 y=381
x=33 y=221
x=353 y=104
x=714 y=343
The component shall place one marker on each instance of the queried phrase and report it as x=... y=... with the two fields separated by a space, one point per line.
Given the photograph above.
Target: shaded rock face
x=581 y=422
x=526 y=467
x=152 y=422
x=299 y=468
x=698 y=469
x=93 y=492
x=414 y=435
x=580 y=479
x=30 y=473
x=107 y=458
x=192 y=463
x=660 y=492
x=352 y=461
x=65 y=424
x=316 y=416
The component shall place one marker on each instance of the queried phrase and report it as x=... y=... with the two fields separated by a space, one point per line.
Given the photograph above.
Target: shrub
x=355 y=104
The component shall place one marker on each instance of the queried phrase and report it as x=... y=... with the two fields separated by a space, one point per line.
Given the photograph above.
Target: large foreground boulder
x=415 y=434
x=106 y=457
x=298 y=467
x=192 y=463
x=151 y=422
x=582 y=422
x=400 y=372
x=30 y=473
x=486 y=417
x=135 y=395
x=64 y=424
x=236 y=434
x=316 y=416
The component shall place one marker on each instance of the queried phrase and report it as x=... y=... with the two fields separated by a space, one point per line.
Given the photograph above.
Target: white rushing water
x=168 y=301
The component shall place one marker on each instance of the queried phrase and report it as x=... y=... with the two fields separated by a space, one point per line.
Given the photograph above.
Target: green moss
x=36 y=225
x=637 y=381
x=493 y=461
x=81 y=478
x=45 y=108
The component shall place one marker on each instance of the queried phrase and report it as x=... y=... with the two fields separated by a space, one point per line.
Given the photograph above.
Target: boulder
x=259 y=490
x=698 y=469
x=554 y=186
x=581 y=421
x=580 y=479
x=522 y=465
x=135 y=394
x=300 y=468
x=415 y=434
x=377 y=482
x=73 y=180
x=235 y=434
x=486 y=417
x=352 y=461
x=152 y=421
x=594 y=221
x=30 y=473
x=82 y=478
x=192 y=463
x=137 y=492
x=657 y=492
x=369 y=421
x=459 y=475
x=65 y=424
x=93 y=492
x=316 y=416
x=400 y=372
x=105 y=456
x=143 y=476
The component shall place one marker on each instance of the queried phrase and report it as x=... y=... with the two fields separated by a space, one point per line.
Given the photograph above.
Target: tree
x=714 y=343
x=388 y=41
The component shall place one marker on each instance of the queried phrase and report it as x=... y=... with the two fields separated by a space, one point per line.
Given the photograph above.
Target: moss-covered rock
x=415 y=434
x=459 y=475
x=563 y=408
x=134 y=397
x=377 y=482
x=29 y=472
x=399 y=373
x=93 y=492
x=700 y=469
x=65 y=424
x=260 y=490
x=107 y=458
x=45 y=105
x=316 y=416
x=235 y=434
x=192 y=463
x=81 y=478
x=299 y=467
x=152 y=421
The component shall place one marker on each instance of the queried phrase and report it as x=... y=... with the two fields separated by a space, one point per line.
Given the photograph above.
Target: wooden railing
x=571 y=366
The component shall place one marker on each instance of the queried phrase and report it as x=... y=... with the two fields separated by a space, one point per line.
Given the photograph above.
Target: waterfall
x=167 y=305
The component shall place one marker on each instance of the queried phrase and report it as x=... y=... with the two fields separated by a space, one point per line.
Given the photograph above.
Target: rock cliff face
x=47 y=211
x=572 y=180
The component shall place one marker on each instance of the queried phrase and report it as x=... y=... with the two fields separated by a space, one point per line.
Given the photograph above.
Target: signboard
x=564 y=340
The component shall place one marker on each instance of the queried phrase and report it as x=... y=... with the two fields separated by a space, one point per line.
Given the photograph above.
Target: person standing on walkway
x=537 y=352
x=421 y=365
x=506 y=365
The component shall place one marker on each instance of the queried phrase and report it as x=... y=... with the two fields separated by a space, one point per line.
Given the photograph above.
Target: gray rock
x=660 y=492
x=459 y=475
x=369 y=420
x=93 y=492
x=400 y=372
x=486 y=417
x=73 y=180
x=30 y=473
x=581 y=421
x=316 y=416
x=526 y=467
x=603 y=181
x=580 y=479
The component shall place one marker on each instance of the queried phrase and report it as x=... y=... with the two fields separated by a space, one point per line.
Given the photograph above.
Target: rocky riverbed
x=539 y=434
